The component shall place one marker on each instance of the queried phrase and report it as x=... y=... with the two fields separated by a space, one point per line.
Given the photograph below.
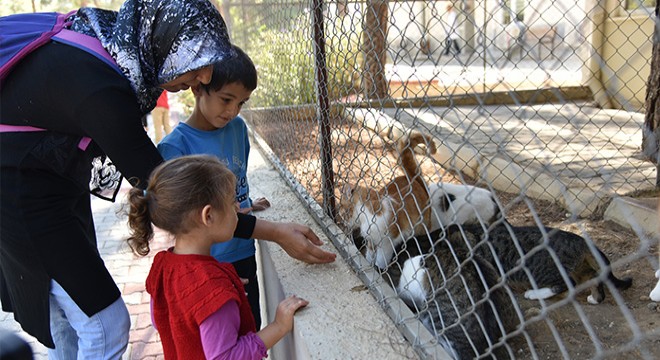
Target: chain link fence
x=535 y=112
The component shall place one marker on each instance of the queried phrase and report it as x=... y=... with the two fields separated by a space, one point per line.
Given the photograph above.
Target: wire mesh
x=535 y=110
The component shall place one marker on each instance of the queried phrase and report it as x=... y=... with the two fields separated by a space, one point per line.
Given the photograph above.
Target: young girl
x=199 y=306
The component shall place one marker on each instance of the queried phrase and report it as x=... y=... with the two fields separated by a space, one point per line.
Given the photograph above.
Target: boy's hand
x=257 y=205
x=300 y=242
x=260 y=204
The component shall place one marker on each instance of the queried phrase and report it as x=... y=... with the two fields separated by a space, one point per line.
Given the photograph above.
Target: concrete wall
x=627 y=52
x=618 y=55
x=615 y=45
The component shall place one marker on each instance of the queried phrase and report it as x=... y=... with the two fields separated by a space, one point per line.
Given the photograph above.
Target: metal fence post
x=323 y=109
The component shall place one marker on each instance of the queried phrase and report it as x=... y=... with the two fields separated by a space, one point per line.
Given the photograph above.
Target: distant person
x=515 y=32
x=215 y=128
x=160 y=116
x=199 y=306
x=452 y=31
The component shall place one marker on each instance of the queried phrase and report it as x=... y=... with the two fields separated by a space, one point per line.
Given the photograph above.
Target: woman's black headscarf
x=155 y=41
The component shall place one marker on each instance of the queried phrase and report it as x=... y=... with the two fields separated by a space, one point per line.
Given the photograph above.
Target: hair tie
x=144 y=192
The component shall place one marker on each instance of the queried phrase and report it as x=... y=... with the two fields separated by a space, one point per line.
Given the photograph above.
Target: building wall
x=614 y=45
x=626 y=51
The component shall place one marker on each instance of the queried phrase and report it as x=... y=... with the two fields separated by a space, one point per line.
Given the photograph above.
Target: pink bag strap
x=18 y=128
x=89 y=44
x=82 y=145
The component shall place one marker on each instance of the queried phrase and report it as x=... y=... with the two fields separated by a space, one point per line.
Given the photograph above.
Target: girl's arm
x=283 y=322
x=219 y=331
x=220 y=340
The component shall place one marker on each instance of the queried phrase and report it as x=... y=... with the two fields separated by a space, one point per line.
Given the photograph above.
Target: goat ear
x=443 y=203
x=348 y=190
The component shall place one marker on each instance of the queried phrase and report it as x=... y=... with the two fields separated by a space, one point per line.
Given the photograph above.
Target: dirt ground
x=625 y=326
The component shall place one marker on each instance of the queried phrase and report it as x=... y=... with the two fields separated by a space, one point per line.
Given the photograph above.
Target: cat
x=461 y=204
x=398 y=211
x=454 y=295
x=572 y=251
x=655 y=293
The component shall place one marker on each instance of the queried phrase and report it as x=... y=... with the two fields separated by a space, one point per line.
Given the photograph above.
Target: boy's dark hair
x=236 y=69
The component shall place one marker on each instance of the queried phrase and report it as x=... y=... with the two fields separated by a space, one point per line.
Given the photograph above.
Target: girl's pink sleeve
x=220 y=340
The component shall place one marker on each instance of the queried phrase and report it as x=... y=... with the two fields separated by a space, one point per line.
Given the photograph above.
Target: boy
x=214 y=128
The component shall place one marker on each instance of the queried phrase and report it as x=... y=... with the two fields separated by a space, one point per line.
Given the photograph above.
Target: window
x=638 y=4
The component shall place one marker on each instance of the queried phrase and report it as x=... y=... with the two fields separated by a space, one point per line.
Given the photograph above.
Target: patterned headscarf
x=155 y=41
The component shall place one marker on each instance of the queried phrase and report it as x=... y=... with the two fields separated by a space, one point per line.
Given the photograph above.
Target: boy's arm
x=168 y=151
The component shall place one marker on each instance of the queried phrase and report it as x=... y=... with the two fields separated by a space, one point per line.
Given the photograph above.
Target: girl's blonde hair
x=176 y=190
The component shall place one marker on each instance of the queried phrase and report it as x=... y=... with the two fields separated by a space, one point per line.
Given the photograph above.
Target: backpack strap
x=44 y=27
x=89 y=44
x=23 y=33
x=18 y=128
x=20 y=34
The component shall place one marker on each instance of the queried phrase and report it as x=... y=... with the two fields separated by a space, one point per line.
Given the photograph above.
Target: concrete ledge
x=638 y=214
x=528 y=97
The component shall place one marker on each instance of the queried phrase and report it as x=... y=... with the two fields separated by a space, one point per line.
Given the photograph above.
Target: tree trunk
x=374 y=46
x=651 y=131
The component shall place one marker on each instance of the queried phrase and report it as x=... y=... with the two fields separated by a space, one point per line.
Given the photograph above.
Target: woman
x=51 y=274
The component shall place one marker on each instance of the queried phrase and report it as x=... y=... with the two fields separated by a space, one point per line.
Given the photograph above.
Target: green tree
x=374 y=84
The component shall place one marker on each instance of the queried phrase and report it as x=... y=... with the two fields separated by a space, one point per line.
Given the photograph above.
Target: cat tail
x=406 y=147
x=618 y=283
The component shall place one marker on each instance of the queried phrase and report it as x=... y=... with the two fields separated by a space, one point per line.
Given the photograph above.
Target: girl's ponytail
x=139 y=221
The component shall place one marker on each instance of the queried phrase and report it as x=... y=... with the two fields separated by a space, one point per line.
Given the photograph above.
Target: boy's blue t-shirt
x=232 y=146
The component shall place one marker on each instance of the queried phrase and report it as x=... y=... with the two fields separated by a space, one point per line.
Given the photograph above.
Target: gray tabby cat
x=455 y=295
x=572 y=251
